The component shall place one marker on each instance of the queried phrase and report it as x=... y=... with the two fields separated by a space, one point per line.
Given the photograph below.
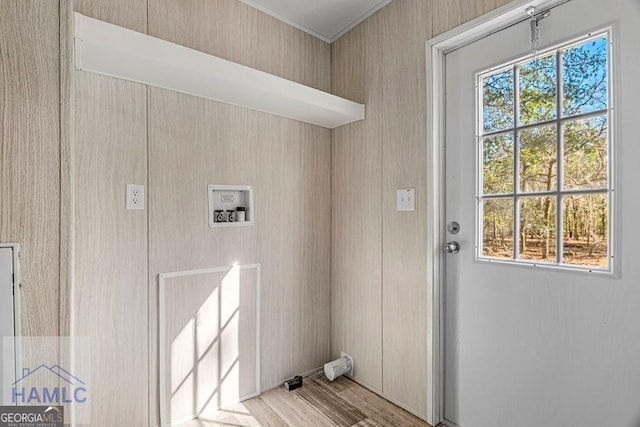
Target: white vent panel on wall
x=209 y=340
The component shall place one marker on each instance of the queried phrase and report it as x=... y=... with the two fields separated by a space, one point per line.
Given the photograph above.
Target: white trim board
x=118 y=52
x=489 y=23
x=17 y=304
x=436 y=49
x=162 y=330
x=17 y=282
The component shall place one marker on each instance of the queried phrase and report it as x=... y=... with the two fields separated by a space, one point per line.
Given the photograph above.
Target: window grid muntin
x=559 y=193
x=581 y=116
x=560 y=159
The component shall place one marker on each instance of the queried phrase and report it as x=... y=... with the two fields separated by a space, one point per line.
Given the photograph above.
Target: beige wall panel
x=30 y=154
x=485 y=6
x=130 y=14
x=173 y=204
x=237 y=32
x=195 y=142
x=288 y=164
x=192 y=143
x=110 y=295
x=375 y=248
x=404 y=273
x=448 y=14
x=67 y=188
x=293 y=208
x=356 y=259
x=110 y=289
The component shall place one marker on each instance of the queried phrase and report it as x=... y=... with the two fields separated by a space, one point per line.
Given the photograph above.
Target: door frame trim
x=435 y=51
x=17 y=282
x=17 y=301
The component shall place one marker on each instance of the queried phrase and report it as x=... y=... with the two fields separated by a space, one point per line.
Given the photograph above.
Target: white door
x=528 y=344
x=7 y=361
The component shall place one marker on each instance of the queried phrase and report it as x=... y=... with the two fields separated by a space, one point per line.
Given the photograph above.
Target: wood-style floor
x=318 y=403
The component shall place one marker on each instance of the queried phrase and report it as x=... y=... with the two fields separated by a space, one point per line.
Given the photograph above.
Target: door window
x=544 y=158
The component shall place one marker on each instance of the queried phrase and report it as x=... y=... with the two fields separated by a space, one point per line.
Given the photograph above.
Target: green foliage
x=585 y=153
x=537 y=90
x=498 y=164
x=538 y=159
x=584 y=82
x=497 y=99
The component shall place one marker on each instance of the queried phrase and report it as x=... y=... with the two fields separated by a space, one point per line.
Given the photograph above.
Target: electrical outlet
x=135 y=197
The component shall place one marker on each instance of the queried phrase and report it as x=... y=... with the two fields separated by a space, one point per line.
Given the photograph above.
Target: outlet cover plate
x=406 y=199
x=135 y=197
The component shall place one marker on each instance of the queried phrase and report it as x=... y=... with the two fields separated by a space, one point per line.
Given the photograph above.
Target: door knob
x=452 y=247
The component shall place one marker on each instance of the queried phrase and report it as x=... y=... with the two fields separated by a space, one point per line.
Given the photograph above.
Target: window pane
x=538 y=159
x=497 y=231
x=585 y=153
x=545 y=140
x=538 y=229
x=537 y=83
x=586 y=228
x=497 y=169
x=497 y=101
x=584 y=77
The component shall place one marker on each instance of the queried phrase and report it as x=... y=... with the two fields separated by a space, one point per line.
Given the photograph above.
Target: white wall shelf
x=114 y=51
x=227 y=198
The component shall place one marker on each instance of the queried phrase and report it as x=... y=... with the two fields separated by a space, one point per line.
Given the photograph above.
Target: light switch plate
x=406 y=199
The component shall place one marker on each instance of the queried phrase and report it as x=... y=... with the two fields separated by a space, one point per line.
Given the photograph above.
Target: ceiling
x=325 y=19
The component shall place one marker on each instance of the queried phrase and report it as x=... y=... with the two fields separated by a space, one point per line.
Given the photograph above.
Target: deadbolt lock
x=453 y=227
